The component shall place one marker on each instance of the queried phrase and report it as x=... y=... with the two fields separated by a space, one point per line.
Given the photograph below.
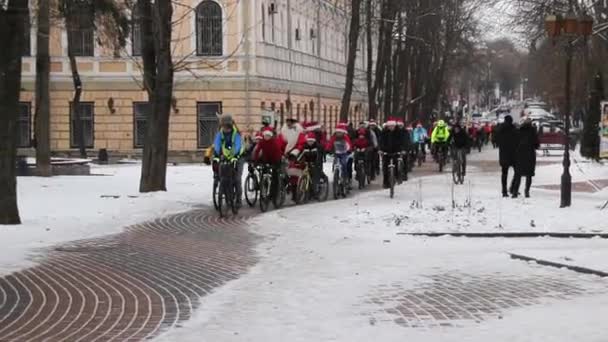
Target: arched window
x=209 y=29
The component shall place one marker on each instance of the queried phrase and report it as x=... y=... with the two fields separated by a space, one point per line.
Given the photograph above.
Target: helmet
x=441 y=123
x=226 y=120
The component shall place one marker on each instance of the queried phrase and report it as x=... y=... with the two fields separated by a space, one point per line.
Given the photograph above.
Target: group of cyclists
x=290 y=161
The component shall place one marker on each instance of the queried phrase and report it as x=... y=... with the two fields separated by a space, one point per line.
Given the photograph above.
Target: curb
x=578 y=269
x=514 y=235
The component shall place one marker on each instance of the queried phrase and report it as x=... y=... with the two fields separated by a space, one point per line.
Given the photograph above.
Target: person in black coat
x=391 y=142
x=460 y=142
x=525 y=156
x=506 y=138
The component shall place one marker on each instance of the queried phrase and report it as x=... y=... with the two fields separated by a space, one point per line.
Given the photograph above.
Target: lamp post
x=571 y=28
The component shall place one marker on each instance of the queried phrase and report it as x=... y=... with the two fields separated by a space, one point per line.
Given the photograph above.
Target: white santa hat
x=390 y=122
x=342 y=128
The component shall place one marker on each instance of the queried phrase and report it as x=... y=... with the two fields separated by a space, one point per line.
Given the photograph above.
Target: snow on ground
x=317 y=272
x=320 y=263
x=67 y=208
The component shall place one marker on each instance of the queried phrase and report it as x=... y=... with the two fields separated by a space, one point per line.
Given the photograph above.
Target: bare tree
x=156 y=28
x=42 y=115
x=353 y=39
x=12 y=18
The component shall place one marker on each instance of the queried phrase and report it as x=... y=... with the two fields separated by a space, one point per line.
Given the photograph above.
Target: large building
x=238 y=57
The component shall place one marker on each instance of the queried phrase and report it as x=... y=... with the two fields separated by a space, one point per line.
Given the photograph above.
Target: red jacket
x=269 y=151
x=343 y=145
x=361 y=143
x=487 y=129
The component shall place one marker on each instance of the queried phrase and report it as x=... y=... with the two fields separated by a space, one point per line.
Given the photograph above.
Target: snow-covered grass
x=66 y=208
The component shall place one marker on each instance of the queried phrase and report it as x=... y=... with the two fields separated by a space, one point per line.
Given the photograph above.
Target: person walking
x=506 y=138
x=525 y=159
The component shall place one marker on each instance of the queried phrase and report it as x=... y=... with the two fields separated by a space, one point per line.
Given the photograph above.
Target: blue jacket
x=419 y=135
x=228 y=144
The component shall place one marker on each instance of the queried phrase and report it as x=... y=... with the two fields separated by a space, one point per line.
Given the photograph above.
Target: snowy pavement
x=65 y=208
x=340 y=271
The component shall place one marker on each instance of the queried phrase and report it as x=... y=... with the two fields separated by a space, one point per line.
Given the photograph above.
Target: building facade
x=231 y=56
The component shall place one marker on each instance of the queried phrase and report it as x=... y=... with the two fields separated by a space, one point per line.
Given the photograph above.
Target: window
x=208 y=124
x=27 y=27
x=263 y=23
x=209 y=29
x=80 y=36
x=282 y=114
x=135 y=33
x=87 y=115
x=24 y=137
x=272 y=11
x=312 y=110
x=140 y=116
x=325 y=116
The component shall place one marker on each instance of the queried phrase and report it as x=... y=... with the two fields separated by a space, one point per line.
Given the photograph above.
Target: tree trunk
x=42 y=116
x=75 y=107
x=373 y=108
x=384 y=33
x=154 y=166
x=353 y=38
x=11 y=33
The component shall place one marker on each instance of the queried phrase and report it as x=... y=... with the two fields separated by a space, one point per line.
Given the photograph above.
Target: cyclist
x=459 y=141
x=391 y=142
x=341 y=145
x=312 y=152
x=362 y=142
x=270 y=151
x=228 y=145
x=440 y=138
x=419 y=137
x=376 y=134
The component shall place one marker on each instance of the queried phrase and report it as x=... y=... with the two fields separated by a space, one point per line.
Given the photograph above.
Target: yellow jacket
x=441 y=134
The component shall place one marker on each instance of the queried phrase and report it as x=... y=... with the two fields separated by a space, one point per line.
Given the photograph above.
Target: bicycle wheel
x=322 y=188
x=278 y=199
x=456 y=170
x=234 y=204
x=265 y=193
x=251 y=189
x=400 y=171
x=223 y=201
x=216 y=185
x=391 y=181
x=361 y=175
x=302 y=190
x=336 y=184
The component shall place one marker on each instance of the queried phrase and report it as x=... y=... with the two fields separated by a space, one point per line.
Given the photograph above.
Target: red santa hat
x=311 y=136
x=400 y=122
x=390 y=121
x=342 y=127
x=258 y=136
x=312 y=126
x=361 y=131
x=267 y=131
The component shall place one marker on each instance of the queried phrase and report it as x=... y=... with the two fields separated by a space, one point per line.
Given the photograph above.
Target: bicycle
x=441 y=155
x=227 y=192
x=266 y=187
x=252 y=185
x=420 y=155
x=401 y=171
x=340 y=184
x=391 y=173
x=458 y=166
x=362 y=178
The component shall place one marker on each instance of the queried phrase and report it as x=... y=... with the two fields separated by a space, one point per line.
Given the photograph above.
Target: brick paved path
x=129 y=286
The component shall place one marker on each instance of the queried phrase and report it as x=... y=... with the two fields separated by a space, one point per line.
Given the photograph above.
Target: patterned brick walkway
x=451 y=299
x=125 y=287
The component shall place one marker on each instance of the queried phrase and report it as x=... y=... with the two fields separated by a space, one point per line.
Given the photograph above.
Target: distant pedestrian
x=506 y=138
x=525 y=161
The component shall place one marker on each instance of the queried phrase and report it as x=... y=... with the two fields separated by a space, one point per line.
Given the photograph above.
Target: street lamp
x=571 y=28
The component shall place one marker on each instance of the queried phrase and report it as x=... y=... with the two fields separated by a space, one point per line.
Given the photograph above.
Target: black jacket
x=527 y=144
x=391 y=141
x=506 y=137
x=460 y=139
